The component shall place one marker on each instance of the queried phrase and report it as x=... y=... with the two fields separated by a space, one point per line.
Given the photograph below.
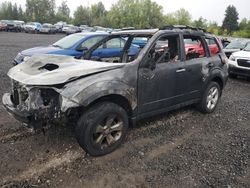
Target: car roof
x=91 y=33
x=136 y=32
x=167 y=30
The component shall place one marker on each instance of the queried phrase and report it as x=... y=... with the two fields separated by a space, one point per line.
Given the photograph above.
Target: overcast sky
x=212 y=10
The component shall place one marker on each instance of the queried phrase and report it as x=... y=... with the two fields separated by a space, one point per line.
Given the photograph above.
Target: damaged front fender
x=74 y=95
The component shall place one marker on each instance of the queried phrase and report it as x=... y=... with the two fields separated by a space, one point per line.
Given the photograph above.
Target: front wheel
x=102 y=128
x=210 y=98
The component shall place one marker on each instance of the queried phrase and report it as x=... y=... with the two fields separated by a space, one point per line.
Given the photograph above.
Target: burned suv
x=102 y=96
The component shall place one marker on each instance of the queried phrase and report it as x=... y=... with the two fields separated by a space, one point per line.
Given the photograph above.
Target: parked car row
x=103 y=83
x=11 y=25
x=47 y=28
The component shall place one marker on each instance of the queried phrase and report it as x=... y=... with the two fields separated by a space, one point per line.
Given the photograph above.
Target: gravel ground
x=181 y=149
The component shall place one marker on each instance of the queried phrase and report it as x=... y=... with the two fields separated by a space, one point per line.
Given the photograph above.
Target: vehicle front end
x=35 y=106
x=239 y=65
x=43 y=90
x=29 y=28
x=45 y=30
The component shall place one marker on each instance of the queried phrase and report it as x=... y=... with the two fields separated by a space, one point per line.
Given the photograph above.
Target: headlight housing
x=232 y=58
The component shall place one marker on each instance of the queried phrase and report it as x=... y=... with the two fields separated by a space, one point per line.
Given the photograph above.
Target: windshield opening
x=237 y=44
x=117 y=48
x=247 y=48
x=30 y=23
x=69 y=41
x=46 y=26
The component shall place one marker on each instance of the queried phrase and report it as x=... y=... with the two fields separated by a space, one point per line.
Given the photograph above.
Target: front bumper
x=44 y=31
x=234 y=68
x=24 y=117
x=238 y=71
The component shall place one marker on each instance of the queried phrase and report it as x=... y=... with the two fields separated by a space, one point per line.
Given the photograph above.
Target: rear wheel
x=210 y=98
x=102 y=128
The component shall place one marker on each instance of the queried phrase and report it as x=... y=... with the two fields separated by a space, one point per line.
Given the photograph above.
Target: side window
x=194 y=47
x=90 y=42
x=166 y=49
x=115 y=43
x=213 y=46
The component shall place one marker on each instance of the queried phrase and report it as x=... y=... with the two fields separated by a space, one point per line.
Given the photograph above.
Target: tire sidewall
x=205 y=95
x=88 y=122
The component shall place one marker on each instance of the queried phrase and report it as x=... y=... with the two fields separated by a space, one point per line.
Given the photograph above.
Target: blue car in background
x=32 y=27
x=76 y=44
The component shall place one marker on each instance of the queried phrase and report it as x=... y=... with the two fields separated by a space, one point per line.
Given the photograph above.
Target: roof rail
x=128 y=28
x=182 y=27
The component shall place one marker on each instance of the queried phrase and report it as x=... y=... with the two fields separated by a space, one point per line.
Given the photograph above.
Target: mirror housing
x=150 y=63
x=82 y=48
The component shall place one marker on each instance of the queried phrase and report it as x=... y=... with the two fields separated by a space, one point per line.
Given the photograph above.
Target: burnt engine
x=42 y=104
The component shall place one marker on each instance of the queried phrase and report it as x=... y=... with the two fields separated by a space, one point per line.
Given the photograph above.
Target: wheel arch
x=120 y=100
x=218 y=80
x=117 y=99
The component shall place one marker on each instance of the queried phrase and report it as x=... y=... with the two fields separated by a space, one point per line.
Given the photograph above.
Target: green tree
x=63 y=13
x=230 y=22
x=98 y=14
x=170 y=19
x=15 y=12
x=20 y=13
x=200 y=23
x=243 y=24
x=41 y=10
x=213 y=28
x=4 y=10
x=183 y=17
x=136 y=13
x=82 y=16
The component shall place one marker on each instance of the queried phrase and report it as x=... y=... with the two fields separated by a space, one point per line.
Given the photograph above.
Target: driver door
x=161 y=87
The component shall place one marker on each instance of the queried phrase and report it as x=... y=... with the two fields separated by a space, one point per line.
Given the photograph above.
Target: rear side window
x=115 y=43
x=213 y=46
x=194 y=47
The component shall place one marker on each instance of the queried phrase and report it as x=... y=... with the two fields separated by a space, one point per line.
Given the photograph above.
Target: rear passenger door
x=197 y=61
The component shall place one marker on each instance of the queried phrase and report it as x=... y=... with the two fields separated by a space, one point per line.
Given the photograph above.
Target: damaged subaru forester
x=103 y=97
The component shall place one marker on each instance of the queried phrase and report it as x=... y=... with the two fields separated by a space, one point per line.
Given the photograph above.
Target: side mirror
x=150 y=62
x=82 y=48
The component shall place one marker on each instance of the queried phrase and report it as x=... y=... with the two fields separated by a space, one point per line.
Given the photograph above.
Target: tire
x=208 y=107
x=94 y=128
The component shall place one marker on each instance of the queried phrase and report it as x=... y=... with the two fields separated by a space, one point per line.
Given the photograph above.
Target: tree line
x=124 y=13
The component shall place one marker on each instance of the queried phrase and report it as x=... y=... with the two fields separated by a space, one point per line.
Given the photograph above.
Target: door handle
x=209 y=65
x=180 y=70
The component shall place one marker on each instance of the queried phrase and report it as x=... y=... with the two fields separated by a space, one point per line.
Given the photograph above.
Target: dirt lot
x=181 y=149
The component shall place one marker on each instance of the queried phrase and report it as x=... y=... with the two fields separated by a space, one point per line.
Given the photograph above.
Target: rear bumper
x=23 y=116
